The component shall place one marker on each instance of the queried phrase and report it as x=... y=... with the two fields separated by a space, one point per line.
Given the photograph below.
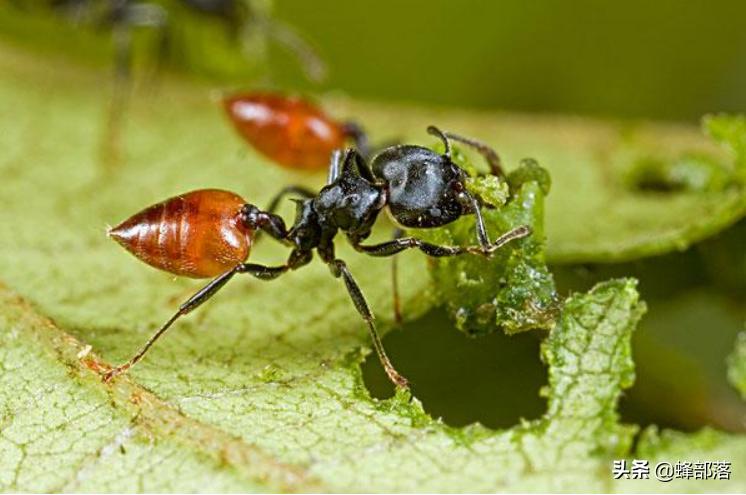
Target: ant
x=238 y=17
x=121 y=18
x=209 y=233
x=289 y=130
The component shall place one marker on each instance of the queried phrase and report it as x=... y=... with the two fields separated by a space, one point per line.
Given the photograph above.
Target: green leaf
x=261 y=389
x=62 y=430
x=730 y=131
x=737 y=365
x=705 y=446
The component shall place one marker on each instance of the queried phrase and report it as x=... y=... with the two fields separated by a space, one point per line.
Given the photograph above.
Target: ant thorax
x=351 y=204
x=307 y=231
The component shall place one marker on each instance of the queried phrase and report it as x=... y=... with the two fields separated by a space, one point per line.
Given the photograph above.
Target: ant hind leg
x=398 y=234
x=200 y=297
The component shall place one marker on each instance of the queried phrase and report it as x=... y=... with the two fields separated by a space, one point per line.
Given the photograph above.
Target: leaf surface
x=261 y=389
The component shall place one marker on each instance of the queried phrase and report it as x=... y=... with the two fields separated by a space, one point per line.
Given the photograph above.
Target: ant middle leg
x=200 y=297
x=339 y=269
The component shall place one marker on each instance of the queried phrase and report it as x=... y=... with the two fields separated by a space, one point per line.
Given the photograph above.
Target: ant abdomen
x=290 y=131
x=198 y=234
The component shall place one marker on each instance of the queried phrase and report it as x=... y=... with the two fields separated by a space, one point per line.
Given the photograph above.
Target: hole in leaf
x=493 y=379
x=690 y=172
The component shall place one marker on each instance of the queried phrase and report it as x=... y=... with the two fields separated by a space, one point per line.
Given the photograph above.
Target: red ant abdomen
x=289 y=131
x=198 y=234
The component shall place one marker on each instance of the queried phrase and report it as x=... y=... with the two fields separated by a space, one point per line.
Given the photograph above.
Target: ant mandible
x=209 y=233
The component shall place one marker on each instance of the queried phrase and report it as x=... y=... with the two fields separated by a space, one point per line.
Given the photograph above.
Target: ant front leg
x=201 y=296
x=396 y=246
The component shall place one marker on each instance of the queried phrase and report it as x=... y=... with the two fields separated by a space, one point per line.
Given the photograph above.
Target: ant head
x=351 y=203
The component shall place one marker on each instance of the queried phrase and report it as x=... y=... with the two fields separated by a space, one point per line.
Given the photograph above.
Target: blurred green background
x=662 y=59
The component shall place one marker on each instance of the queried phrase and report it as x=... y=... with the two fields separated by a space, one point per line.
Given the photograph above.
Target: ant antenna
x=432 y=130
x=490 y=155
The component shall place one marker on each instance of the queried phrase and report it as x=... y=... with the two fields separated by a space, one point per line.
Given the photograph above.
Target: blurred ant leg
x=123 y=17
x=111 y=146
x=398 y=234
x=259 y=271
x=160 y=21
x=396 y=246
x=339 y=269
x=312 y=64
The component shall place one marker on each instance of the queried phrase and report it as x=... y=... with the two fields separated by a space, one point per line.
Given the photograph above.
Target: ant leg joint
x=517 y=233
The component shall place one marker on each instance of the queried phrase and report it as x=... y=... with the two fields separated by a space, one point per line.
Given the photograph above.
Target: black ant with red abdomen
x=208 y=233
